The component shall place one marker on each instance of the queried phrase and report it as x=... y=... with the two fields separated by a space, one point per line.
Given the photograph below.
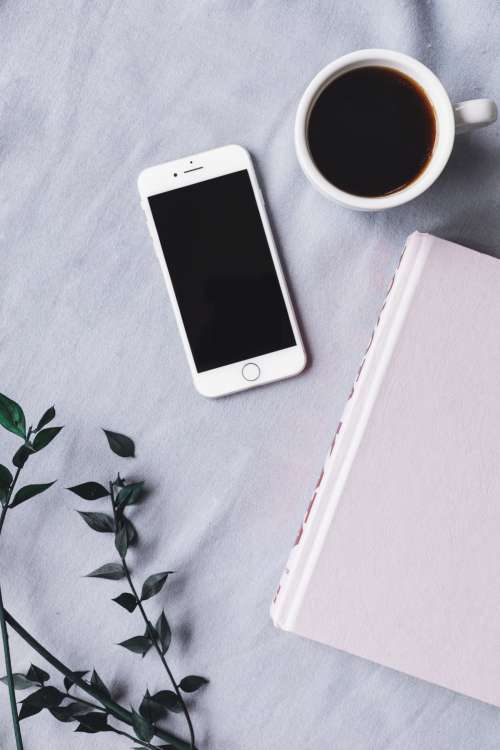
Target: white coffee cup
x=450 y=119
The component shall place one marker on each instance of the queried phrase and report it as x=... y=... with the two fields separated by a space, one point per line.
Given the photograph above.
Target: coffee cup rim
x=434 y=90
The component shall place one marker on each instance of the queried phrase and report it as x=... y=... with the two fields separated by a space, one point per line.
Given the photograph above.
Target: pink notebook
x=398 y=557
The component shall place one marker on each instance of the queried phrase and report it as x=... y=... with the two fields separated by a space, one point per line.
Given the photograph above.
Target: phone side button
x=251 y=371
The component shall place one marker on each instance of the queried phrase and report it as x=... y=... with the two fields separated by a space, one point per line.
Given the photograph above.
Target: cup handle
x=474 y=113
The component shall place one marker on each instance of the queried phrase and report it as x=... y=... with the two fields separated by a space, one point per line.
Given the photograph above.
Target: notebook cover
x=398 y=558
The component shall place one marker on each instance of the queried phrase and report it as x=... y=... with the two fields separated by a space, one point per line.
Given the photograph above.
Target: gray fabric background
x=90 y=94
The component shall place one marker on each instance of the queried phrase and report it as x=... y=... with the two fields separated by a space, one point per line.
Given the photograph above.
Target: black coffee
x=371 y=131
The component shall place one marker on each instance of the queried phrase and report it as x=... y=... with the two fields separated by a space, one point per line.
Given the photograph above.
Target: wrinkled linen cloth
x=91 y=93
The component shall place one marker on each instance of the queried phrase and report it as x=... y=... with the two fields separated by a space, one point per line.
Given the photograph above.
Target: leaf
x=151 y=710
x=121 y=540
x=45 y=437
x=168 y=699
x=99 y=685
x=27 y=711
x=5 y=482
x=191 y=683
x=130 y=494
x=139 y=644
x=93 y=723
x=70 y=712
x=127 y=601
x=101 y=522
x=153 y=584
x=47 y=417
x=29 y=491
x=45 y=697
x=37 y=675
x=120 y=444
x=142 y=728
x=109 y=571
x=164 y=633
x=21 y=455
x=69 y=682
x=5 y=477
x=12 y=416
x=89 y=490
x=20 y=682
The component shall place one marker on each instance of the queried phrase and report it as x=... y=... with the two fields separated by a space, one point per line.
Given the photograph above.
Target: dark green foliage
x=43 y=438
x=27 y=711
x=121 y=539
x=5 y=482
x=109 y=571
x=163 y=632
x=44 y=697
x=122 y=496
x=29 y=491
x=142 y=727
x=99 y=685
x=120 y=444
x=129 y=495
x=169 y=700
x=21 y=455
x=70 y=712
x=127 y=601
x=5 y=477
x=153 y=584
x=191 y=683
x=39 y=676
x=48 y=416
x=139 y=644
x=89 y=490
x=93 y=723
x=12 y=416
x=98 y=521
x=151 y=710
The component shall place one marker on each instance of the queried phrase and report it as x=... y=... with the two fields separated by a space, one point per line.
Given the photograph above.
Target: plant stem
x=153 y=637
x=8 y=667
x=113 y=708
x=152 y=632
x=3 y=627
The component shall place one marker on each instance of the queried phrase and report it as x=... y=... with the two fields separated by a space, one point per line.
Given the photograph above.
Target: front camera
x=175 y=174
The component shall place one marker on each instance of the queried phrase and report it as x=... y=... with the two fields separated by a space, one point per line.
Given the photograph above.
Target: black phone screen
x=222 y=271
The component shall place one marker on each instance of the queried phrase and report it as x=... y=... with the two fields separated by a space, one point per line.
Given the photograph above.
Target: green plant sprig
x=160 y=636
x=12 y=419
x=92 y=717
x=114 y=709
x=121 y=496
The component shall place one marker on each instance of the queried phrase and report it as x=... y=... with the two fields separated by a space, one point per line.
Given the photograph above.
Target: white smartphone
x=211 y=234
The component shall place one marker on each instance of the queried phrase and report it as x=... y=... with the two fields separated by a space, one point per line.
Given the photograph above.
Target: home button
x=251 y=371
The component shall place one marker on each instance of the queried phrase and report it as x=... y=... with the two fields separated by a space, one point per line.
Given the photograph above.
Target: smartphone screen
x=222 y=271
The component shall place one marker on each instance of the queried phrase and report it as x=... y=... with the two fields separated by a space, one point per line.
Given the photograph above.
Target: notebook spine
x=283 y=592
